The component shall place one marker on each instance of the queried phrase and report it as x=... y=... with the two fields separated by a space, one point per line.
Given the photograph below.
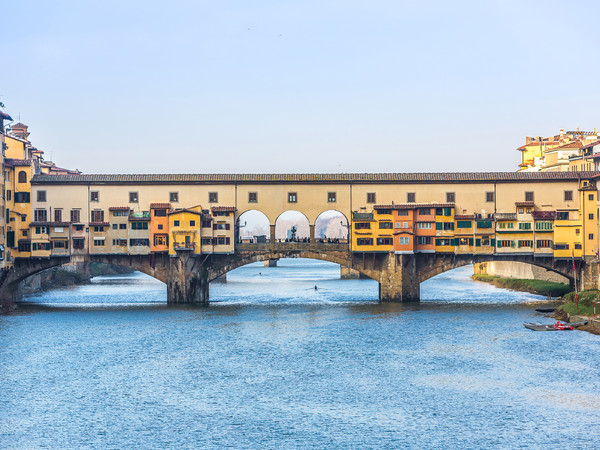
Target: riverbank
x=568 y=311
x=540 y=287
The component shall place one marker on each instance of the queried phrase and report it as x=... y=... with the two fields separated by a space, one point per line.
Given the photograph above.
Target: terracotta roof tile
x=415 y=206
x=160 y=206
x=223 y=209
x=524 y=204
x=17 y=162
x=316 y=178
x=119 y=208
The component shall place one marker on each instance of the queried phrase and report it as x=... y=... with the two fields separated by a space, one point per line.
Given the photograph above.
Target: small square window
x=591 y=216
x=133 y=197
x=41 y=196
x=94 y=196
x=213 y=197
x=174 y=197
x=160 y=227
x=568 y=196
x=115 y=226
x=292 y=197
x=331 y=197
x=489 y=196
x=176 y=223
x=411 y=197
x=450 y=197
x=192 y=223
x=529 y=196
x=371 y=197
x=591 y=236
x=252 y=197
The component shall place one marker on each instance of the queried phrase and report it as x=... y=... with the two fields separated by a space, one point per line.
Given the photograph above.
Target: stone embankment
x=539 y=287
x=568 y=310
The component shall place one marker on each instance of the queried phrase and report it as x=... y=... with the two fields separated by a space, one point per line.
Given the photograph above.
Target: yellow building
x=184 y=230
x=373 y=231
x=445 y=241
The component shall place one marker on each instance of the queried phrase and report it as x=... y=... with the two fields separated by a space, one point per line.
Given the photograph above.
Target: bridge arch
x=252 y=223
x=289 y=218
x=331 y=223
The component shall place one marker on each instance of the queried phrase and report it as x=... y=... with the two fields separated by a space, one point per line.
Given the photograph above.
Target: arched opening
x=22 y=178
x=459 y=286
x=292 y=226
x=331 y=226
x=293 y=280
x=253 y=228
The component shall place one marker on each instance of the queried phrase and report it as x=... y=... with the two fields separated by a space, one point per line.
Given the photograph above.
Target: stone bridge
x=399 y=276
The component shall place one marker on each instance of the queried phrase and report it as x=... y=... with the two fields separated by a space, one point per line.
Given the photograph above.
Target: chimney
x=20 y=130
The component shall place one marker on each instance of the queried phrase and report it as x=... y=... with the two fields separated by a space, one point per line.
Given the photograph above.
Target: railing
x=183 y=246
x=287 y=246
x=505 y=216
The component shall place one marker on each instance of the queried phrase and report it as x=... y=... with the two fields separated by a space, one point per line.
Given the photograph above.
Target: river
x=274 y=363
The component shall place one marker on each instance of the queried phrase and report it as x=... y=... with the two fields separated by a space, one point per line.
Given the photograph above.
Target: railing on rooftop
x=362 y=215
x=505 y=216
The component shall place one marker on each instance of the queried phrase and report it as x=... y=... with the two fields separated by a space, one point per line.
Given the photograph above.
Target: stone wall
x=523 y=271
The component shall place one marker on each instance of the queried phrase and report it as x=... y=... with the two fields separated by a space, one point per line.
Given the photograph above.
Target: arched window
x=22 y=177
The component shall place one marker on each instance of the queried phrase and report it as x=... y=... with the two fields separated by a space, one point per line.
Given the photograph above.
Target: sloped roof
x=309 y=178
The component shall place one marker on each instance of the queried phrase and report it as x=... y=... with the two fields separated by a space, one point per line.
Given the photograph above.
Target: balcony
x=505 y=216
x=184 y=246
x=543 y=215
x=362 y=216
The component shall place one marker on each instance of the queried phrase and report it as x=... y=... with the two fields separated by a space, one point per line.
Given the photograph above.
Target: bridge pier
x=187 y=280
x=398 y=280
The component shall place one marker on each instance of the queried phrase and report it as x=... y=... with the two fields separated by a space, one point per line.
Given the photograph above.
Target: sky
x=297 y=86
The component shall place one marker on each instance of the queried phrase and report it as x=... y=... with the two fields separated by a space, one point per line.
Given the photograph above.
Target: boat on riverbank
x=554 y=327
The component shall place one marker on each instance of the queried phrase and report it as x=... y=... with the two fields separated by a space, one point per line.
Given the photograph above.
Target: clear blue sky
x=305 y=86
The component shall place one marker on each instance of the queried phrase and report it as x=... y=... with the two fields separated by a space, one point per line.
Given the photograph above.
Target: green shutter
x=471 y=242
x=493 y=242
x=512 y=243
x=477 y=242
x=447 y=211
x=499 y=244
x=439 y=226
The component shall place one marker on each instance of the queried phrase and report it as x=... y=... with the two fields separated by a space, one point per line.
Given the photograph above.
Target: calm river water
x=274 y=363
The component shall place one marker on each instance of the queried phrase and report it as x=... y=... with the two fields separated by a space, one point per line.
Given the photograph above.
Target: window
x=206 y=224
x=331 y=197
x=40 y=215
x=424 y=225
x=115 y=226
x=78 y=227
x=364 y=241
x=384 y=211
x=529 y=196
x=440 y=242
x=174 y=197
x=520 y=210
x=252 y=197
x=24 y=233
x=577 y=231
x=591 y=236
x=213 y=197
x=525 y=243
x=525 y=226
x=292 y=197
x=160 y=239
x=561 y=247
x=591 y=216
x=24 y=246
x=176 y=223
x=424 y=211
x=385 y=241
x=444 y=226
x=206 y=241
x=160 y=226
x=97 y=215
x=160 y=213
x=590 y=196
x=484 y=224
x=192 y=223
x=133 y=197
x=463 y=224
x=450 y=197
x=98 y=229
x=41 y=230
x=75 y=215
x=139 y=242
x=404 y=240
x=221 y=226
x=78 y=243
x=403 y=212
x=139 y=225
x=22 y=197
x=505 y=243
x=120 y=213
x=222 y=241
x=94 y=196
x=9 y=195
x=489 y=196
x=385 y=225
x=562 y=215
x=362 y=225
x=22 y=178
x=371 y=197
x=424 y=240
x=465 y=241
x=568 y=196
x=99 y=242
x=543 y=225
x=59 y=244
x=41 y=196
x=577 y=246
x=58 y=215
x=411 y=197
x=543 y=243
x=447 y=211
x=528 y=210
x=122 y=226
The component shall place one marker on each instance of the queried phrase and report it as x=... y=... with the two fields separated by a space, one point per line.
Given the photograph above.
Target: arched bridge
x=399 y=276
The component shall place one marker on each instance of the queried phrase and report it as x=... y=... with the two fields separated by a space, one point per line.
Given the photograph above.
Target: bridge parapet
x=293 y=246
